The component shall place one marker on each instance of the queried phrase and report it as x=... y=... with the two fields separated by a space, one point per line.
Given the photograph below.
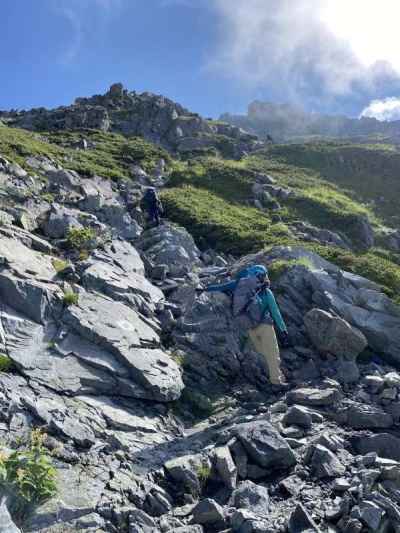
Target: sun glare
x=371 y=27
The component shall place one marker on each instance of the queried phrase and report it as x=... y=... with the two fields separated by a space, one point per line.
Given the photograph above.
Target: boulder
x=225 y=466
x=301 y=522
x=185 y=471
x=207 y=512
x=362 y=232
x=371 y=514
x=250 y=496
x=298 y=416
x=171 y=245
x=324 y=463
x=361 y=416
x=79 y=492
x=119 y=330
x=61 y=220
x=333 y=335
x=26 y=281
x=314 y=397
x=265 y=446
x=384 y=444
x=129 y=287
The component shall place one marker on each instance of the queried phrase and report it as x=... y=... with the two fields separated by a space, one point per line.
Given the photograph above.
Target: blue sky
x=53 y=50
x=211 y=56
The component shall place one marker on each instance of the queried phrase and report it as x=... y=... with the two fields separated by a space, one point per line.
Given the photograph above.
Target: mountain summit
x=154 y=117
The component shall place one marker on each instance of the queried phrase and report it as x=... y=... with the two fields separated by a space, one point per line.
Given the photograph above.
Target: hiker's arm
x=275 y=312
x=222 y=287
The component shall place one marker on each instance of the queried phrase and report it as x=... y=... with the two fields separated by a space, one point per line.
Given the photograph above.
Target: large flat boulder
x=334 y=335
x=129 y=287
x=120 y=330
x=171 y=245
x=26 y=281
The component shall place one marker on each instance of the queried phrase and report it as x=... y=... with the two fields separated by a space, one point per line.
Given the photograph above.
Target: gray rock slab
x=119 y=330
x=249 y=495
x=334 y=335
x=265 y=446
x=79 y=491
x=361 y=416
x=313 y=397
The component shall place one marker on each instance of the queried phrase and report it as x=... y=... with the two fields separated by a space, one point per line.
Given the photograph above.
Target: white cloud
x=386 y=109
x=288 y=47
x=84 y=16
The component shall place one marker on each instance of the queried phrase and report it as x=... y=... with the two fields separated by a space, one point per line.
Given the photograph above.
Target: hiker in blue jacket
x=255 y=307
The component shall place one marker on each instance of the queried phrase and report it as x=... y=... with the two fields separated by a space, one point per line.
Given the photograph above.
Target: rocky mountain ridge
x=155 y=412
x=156 y=118
x=285 y=122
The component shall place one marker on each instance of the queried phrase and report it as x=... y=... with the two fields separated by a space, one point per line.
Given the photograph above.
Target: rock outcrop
x=148 y=115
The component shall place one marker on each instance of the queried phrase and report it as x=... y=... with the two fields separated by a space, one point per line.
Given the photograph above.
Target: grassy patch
x=70 y=298
x=27 y=476
x=110 y=155
x=228 y=179
x=6 y=364
x=369 y=265
x=80 y=238
x=369 y=171
x=225 y=226
x=59 y=265
x=277 y=268
x=203 y=473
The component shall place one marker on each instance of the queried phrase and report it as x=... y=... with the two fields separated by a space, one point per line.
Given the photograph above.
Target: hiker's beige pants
x=265 y=342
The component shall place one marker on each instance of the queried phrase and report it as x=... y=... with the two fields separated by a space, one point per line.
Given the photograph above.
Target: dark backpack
x=246 y=304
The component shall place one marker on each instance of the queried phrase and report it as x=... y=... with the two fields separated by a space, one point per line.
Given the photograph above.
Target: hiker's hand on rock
x=285 y=340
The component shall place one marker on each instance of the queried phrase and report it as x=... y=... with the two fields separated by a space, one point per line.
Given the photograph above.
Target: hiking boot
x=282 y=386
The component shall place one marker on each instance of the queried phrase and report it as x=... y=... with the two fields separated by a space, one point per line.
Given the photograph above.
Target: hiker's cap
x=258 y=270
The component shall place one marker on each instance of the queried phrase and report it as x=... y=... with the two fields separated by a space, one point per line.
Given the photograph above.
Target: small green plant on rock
x=203 y=473
x=48 y=197
x=70 y=298
x=80 y=238
x=6 y=363
x=59 y=265
x=179 y=358
x=27 y=476
x=277 y=268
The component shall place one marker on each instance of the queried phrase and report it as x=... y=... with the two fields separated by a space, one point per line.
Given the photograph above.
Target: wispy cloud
x=84 y=16
x=193 y=4
x=287 y=47
x=386 y=109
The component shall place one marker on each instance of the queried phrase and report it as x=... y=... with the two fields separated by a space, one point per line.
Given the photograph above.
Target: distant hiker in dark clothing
x=153 y=205
x=256 y=311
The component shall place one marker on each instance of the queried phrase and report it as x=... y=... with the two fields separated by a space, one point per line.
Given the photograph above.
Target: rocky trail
x=157 y=415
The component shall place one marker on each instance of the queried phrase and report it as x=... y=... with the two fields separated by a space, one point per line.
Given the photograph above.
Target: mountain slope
x=131 y=402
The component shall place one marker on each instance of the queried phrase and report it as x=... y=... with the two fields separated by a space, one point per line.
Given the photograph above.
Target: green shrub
x=48 y=197
x=27 y=476
x=80 y=238
x=277 y=268
x=179 y=358
x=70 y=298
x=6 y=364
x=59 y=265
x=203 y=473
